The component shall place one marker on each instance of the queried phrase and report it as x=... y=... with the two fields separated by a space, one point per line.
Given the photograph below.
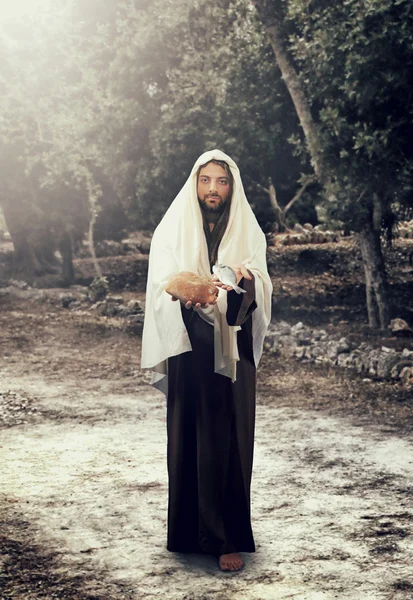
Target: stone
x=406 y=376
x=401 y=364
x=134 y=306
x=76 y=305
x=299 y=352
x=67 y=299
x=400 y=328
x=19 y=284
x=134 y=324
x=112 y=309
x=304 y=338
x=385 y=364
x=297 y=327
x=299 y=228
x=343 y=346
x=144 y=246
x=98 y=289
x=114 y=299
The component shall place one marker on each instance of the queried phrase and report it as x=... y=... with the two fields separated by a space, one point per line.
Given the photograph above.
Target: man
x=205 y=357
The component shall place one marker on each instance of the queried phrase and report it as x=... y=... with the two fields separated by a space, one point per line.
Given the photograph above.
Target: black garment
x=210 y=423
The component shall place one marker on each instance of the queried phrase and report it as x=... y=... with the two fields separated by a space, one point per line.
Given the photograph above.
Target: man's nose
x=212 y=186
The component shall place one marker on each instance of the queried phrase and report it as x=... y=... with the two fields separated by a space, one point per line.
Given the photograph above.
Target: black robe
x=210 y=424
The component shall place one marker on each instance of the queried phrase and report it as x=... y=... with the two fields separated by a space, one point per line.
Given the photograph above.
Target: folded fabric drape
x=179 y=244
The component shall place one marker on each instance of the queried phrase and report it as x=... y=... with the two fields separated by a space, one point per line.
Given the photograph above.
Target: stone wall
x=317 y=346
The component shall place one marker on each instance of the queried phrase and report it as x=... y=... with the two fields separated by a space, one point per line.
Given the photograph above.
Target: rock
x=385 y=363
x=76 y=305
x=297 y=327
x=406 y=376
x=304 y=337
x=67 y=300
x=100 y=307
x=128 y=246
x=317 y=352
x=299 y=228
x=299 y=353
x=98 y=289
x=21 y=285
x=114 y=299
x=134 y=306
x=112 y=309
x=296 y=239
x=316 y=345
x=283 y=328
x=317 y=237
x=308 y=227
x=399 y=366
x=144 y=246
x=134 y=324
x=400 y=328
x=343 y=346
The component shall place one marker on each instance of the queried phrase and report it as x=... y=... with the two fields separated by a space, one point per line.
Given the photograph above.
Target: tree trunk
x=375 y=276
x=369 y=238
x=279 y=213
x=20 y=228
x=92 y=243
x=65 y=248
x=272 y=26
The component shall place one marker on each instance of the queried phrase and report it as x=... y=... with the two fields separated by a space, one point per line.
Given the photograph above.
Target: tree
x=54 y=106
x=352 y=63
x=194 y=96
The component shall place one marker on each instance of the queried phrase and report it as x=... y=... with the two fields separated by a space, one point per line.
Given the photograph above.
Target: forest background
x=105 y=106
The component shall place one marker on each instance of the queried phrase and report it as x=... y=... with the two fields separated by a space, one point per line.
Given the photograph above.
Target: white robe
x=179 y=244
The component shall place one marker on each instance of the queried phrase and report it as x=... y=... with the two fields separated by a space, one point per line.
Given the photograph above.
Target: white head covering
x=179 y=244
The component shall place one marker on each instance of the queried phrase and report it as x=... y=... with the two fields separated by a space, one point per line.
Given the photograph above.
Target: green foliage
x=355 y=59
x=204 y=77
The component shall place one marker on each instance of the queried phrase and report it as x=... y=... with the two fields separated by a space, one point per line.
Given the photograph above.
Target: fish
x=227 y=276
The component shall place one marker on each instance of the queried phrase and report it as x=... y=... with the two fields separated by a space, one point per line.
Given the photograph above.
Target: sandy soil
x=84 y=484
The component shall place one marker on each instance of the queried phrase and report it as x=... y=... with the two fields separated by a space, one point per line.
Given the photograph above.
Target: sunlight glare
x=22 y=8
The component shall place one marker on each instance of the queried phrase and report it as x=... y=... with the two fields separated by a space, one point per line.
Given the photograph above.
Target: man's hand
x=240 y=271
x=188 y=305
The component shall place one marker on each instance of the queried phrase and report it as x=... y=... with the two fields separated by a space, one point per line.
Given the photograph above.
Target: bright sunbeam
x=12 y=9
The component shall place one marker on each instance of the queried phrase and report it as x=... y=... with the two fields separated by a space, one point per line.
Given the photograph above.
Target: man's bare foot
x=231 y=562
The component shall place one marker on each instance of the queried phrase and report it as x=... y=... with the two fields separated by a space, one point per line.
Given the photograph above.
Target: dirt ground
x=84 y=484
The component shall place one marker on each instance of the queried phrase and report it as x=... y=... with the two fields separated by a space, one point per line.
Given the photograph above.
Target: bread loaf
x=190 y=287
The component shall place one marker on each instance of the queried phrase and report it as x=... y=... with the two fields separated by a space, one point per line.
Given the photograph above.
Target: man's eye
x=204 y=180
x=223 y=181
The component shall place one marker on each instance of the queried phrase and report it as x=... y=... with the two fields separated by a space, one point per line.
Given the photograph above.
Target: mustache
x=212 y=196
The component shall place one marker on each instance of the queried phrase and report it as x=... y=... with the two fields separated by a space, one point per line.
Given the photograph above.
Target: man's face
x=213 y=188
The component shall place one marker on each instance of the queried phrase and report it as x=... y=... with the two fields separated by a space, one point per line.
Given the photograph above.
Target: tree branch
x=260 y=186
x=300 y=192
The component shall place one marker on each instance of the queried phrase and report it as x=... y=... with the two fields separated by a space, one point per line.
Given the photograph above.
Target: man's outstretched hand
x=193 y=305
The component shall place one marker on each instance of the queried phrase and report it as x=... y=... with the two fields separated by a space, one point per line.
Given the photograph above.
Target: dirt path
x=84 y=489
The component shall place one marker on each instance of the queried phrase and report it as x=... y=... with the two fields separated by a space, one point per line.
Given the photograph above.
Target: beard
x=217 y=208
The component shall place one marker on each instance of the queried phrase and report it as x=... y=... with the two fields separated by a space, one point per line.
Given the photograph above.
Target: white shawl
x=179 y=244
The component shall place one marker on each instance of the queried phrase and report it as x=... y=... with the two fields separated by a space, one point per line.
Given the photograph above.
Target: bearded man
x=204 y=358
